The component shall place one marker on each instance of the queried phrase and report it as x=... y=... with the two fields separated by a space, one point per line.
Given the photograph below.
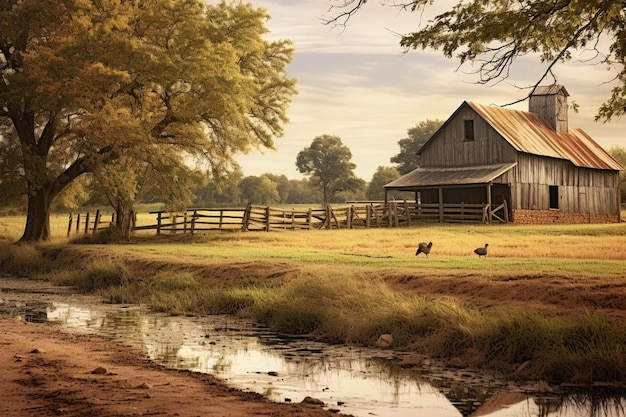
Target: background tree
x=86 y=82
x=491 y=35
x=259 y=190
x=619 y=153
x=223 y=193
x=382 y=176
x=302 y=192
x=327 y=163
x=282 y=185
x=408 y=159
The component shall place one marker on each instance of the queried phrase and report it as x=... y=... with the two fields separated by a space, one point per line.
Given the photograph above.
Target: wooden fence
x=87 y=222
x=262 y=218
x=193 y=220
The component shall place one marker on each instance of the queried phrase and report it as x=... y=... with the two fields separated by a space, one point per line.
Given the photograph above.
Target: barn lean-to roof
x=461 y=175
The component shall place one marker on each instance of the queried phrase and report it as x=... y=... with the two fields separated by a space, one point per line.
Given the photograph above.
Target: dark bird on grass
x=482 y=251
x=424 y=248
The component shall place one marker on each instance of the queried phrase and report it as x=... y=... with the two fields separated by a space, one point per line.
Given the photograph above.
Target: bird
x=482 y=251
x=424 y=248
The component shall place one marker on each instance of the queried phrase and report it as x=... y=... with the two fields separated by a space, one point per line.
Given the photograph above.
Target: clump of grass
x=179 y=293
x=23 y=260
x=97 y=275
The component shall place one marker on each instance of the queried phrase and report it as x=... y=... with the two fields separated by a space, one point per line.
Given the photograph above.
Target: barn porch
x=455 y=194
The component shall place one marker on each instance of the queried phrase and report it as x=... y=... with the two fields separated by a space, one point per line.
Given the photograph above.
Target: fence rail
x=345 y=216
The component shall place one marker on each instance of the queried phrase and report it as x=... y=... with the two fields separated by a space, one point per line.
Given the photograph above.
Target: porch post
x=489 y=203
x=440 y=205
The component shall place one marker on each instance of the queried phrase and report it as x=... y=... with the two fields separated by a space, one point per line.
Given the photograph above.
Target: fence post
x=368 y=215
x=96 y=222
x=86 y=222
x=159 y=220
x=174 y=222
x=77 y=222
x=185 y=222
x=221 y=218
x=267 y=219
x=309 y=218
x=329 y=225
x=246 y=219
x=69 y=226
x=349 y=217
x=407 y=212
x=193 y=221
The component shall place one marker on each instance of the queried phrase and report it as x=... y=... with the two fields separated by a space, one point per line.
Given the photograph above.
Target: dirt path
x=46 y=372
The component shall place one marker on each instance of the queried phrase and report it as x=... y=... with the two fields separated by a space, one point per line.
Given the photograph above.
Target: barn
x=494 y=164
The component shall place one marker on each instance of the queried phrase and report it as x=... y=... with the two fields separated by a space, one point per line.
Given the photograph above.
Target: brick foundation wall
x=555 y=216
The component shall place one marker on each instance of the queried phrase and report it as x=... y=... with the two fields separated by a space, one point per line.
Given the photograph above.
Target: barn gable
x=532 y=163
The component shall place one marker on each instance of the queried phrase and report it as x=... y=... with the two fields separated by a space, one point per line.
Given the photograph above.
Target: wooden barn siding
x=581 y=190
x=450 y=149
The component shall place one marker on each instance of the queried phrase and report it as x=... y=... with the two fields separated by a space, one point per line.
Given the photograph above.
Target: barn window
x=554 y=197
x=469 y=129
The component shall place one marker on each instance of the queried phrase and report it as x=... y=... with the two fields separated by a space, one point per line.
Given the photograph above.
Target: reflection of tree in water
x=594 y=403
x=466 y=398
x=164 y=337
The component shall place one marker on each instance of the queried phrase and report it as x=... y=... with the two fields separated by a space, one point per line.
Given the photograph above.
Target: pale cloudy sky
x=358 y=84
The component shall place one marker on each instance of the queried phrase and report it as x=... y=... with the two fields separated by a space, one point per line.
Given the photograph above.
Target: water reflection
x=355 y=381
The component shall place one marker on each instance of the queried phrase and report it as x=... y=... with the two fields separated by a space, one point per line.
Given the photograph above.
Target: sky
x=357 y=82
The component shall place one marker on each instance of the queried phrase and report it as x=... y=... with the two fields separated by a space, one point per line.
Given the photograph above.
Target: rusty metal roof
x=528 y=133
x=437 y=176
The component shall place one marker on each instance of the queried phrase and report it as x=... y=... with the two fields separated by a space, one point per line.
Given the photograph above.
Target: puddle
x=358 y=381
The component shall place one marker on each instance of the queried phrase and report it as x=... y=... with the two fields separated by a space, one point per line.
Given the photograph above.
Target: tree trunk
x=38 y=217
x=123 y=218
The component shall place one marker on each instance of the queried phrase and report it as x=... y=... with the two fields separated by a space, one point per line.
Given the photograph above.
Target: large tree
x=492 y=34
x=327 y=164
x=408 y=159
x=88 y=81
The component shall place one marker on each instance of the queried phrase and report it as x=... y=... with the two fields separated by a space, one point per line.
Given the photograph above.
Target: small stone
x=313 y=401
x=36 y=351
x=272 y=373
x=99 y=371
x=143 y=386
x=384 y=341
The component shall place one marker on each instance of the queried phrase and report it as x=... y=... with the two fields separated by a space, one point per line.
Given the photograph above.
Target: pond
x=353 y=380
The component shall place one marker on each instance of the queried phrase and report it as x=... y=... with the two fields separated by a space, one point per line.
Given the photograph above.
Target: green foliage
x=133 y=92
x=259 y=190
x=327 y=163
x=382 y=176
x=302 y=192
x=282 y=185
x=408 y=158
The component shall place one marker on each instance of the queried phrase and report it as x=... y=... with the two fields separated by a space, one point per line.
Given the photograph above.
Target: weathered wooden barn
x=524 y=167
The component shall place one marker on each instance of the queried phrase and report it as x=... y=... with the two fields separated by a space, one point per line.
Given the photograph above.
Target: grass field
x=545 y=295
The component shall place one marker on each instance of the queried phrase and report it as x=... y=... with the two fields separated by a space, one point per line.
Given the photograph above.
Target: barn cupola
x=550 y=103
